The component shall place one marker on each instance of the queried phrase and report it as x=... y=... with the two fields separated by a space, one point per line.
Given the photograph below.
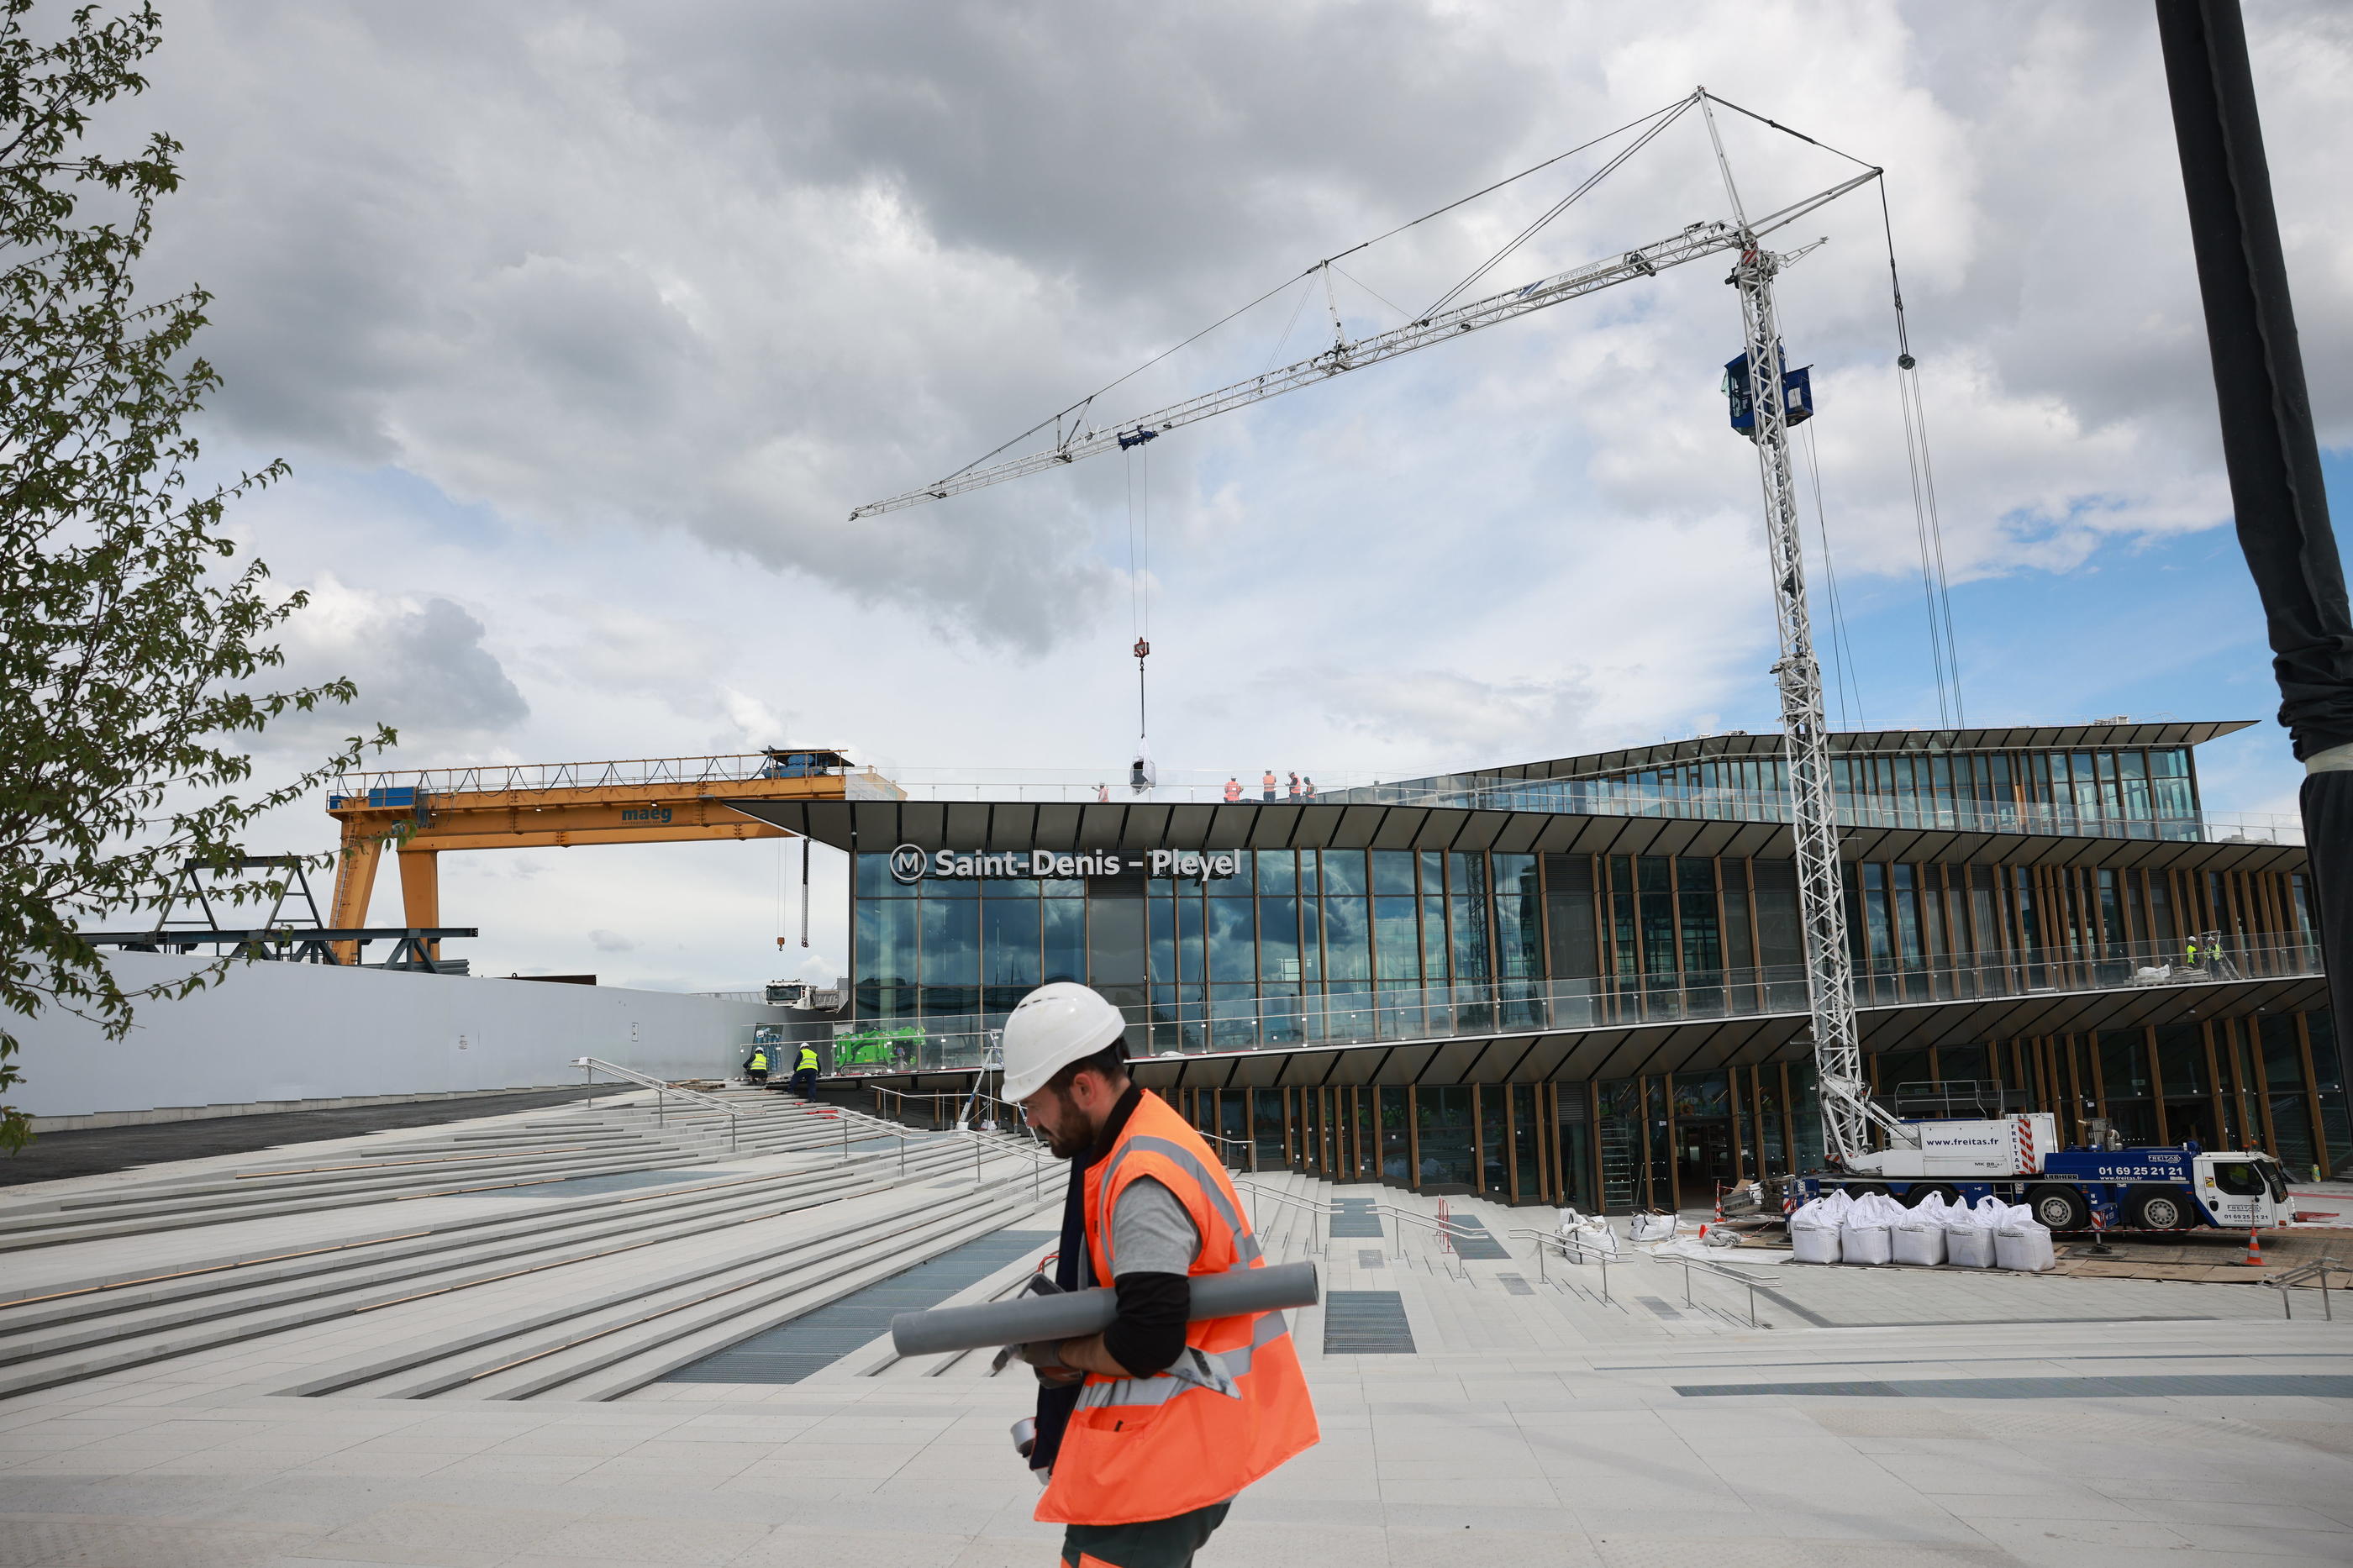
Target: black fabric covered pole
x=2269 y=446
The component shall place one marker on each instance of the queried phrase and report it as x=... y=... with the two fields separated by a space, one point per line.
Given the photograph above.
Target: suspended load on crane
x=1136 y=438
x=1797 y=392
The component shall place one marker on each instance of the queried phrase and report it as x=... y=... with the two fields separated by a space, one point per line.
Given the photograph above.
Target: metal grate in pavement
x=1514 y=1285
x=1478 y=1245
x=1370 y=1257
x=1354 y=1216
x=2234 y=1385
x=1365 y=1322
x=1660 y=1308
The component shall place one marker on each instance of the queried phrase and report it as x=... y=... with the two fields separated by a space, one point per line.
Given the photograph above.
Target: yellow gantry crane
x=539 y=806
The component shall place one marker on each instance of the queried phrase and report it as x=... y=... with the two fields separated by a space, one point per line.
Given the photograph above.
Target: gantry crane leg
x=355 y=868
x=420 y=890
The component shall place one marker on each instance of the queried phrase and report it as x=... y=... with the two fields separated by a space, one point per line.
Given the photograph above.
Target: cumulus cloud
x=420 y=665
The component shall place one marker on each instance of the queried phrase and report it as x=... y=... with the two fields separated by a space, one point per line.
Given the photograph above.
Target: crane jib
x=1700 y=239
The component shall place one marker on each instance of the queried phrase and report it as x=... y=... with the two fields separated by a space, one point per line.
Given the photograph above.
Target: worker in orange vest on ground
x=1266 y=785
x=1233 y=789
x=1147 y=1430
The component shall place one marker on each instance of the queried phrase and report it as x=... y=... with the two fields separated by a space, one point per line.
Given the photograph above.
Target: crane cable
x=1842 y=648
x=1078 y=410
x=1139 y=590
x=1936 y=585
x=1846 y=675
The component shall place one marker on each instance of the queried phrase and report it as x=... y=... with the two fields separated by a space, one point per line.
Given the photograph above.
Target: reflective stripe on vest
x=808 y=1060
x=1246 y=1247
x=1216 y=1375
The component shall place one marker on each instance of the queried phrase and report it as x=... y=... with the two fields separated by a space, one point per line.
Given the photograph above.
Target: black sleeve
x=1148 y=1335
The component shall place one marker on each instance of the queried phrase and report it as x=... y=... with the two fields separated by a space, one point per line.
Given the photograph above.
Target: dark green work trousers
x=1155 y=1544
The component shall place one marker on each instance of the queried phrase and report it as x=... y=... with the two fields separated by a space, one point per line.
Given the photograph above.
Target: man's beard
x=1070 y=1146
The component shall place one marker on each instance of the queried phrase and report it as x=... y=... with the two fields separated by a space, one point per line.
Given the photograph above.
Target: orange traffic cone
x=2254 y=1259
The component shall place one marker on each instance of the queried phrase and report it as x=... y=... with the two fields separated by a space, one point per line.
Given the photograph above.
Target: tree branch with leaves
x=137 y=647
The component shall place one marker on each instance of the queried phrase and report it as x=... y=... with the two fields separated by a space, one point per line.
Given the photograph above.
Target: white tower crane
x=1848 y=1111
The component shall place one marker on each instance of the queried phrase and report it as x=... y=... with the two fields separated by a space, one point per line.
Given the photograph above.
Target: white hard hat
x=1055 y=1025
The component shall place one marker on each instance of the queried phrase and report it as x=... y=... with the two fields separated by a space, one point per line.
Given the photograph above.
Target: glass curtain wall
x=2142 y=792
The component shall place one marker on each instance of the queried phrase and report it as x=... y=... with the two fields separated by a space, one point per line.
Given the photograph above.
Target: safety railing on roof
x=496 y=778
x=1288 y=1020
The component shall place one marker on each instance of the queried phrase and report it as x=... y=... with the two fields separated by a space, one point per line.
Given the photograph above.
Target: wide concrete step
x=116 y=1214
x=68 y=1351
x=613 y=1364
x=440 y=1262
x=444 y=1360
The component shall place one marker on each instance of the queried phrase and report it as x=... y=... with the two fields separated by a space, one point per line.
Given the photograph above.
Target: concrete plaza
x=1885 y=1417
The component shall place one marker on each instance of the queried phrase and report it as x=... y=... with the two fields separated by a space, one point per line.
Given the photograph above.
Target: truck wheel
x=2156 y=1208
x=1915 y=1197
x=1866 y=1189
x=2059 y=1208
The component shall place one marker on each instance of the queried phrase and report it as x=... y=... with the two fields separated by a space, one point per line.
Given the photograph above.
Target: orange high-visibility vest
x=1233 y=1407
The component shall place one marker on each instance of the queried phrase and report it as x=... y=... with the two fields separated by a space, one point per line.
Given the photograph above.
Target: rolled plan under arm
x=1072 y=1314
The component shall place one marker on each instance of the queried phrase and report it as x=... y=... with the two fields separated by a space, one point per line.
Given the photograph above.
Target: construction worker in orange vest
x=1233 y=789
x=1147 y=1431
x=1266 y=787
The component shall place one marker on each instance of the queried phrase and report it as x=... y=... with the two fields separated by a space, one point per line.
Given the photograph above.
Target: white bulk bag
x=2024 y=1246
x=1864 y=1234
x=1919 y=1242
x=1866 y=1243
x=1968 y=1247
x=1651 y=1227
x=1814 y=1232
x=1597 y=1236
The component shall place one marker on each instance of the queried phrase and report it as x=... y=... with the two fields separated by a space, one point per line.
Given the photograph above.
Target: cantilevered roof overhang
x=1878 y=742
x=1626 y=1050
x=880 y=826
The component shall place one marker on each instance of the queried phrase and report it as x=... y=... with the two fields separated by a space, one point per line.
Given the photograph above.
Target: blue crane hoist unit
x=1797 y=394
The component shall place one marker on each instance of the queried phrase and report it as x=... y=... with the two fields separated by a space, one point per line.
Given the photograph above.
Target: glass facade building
x=1649 y=893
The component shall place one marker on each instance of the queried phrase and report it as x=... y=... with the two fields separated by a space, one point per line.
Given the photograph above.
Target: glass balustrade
x=1291 y=1021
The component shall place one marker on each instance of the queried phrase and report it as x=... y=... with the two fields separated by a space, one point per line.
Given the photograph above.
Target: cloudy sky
x=584 y=326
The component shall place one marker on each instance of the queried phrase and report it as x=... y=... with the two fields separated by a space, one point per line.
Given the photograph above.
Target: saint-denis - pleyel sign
x=911 y=864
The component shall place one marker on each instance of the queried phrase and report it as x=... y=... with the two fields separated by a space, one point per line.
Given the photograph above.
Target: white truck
x=2018 y=1158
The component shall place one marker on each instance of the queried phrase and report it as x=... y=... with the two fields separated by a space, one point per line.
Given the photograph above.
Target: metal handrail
x=662 y=1090
x=2299 y=1274
x=1722 y=1271
x=1569 y=1245
x=1406 y=1216
x=1250 y=1144
x=1324 y=1211
x=903 y=1096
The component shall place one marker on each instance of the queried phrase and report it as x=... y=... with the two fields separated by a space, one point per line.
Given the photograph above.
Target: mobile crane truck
x=1953 y=1139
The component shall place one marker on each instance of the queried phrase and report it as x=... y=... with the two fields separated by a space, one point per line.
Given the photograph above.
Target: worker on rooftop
x=1147 y=1431
x=1266 y=787
x=1233 y=789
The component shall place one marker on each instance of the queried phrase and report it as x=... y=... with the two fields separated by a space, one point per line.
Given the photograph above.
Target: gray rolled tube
x=1073 y=1314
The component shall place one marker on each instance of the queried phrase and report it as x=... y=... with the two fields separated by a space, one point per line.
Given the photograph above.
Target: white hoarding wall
x=274 y=1032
